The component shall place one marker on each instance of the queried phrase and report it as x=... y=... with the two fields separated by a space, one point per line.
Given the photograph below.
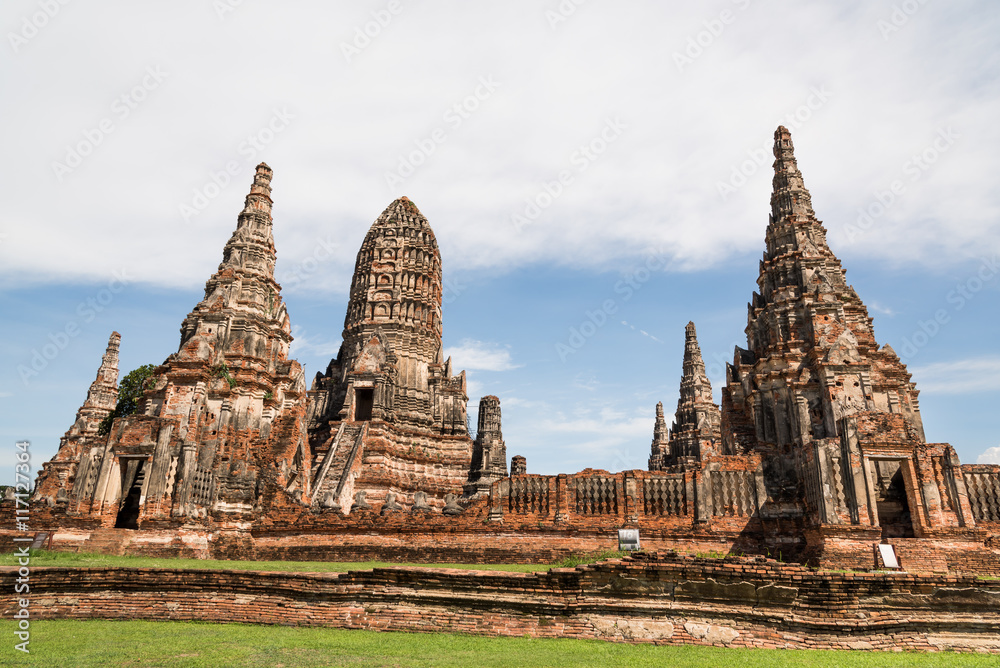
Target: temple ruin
x=817 y=452
x=388 y=416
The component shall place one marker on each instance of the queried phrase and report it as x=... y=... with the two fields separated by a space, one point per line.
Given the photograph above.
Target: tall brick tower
x=489 y=456
x=659 y=449
x=221 y=432
x=695 y=431
x=834 y=416
x=391 y=375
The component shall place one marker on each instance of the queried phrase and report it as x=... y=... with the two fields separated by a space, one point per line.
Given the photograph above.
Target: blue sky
x=558 y=161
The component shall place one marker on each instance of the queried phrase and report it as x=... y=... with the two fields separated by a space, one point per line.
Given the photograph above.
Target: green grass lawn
x=106 y=643
x=90 y=560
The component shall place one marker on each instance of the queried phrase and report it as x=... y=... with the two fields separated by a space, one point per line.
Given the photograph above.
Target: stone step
x=339 y=463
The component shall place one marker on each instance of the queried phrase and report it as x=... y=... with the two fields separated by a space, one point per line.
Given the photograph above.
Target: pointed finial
x=789 y=196
x=691 y=341
x=259 y=197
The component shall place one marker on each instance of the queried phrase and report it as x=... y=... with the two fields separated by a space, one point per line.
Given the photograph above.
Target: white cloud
x=967 y=376
x=641 y=331
x=989 y=456
x=878 y=308
x=120 y=206
x=304 y=345
x=473 y=355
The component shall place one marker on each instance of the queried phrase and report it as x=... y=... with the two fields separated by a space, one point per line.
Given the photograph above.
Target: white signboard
x=628 y=539
x=888 y=556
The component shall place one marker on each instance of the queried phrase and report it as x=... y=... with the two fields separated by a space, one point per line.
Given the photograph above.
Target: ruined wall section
x=65 y=475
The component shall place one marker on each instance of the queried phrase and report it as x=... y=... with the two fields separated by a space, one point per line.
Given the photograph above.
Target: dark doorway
x=893 y=507
x=133 y=475
x=364 y=399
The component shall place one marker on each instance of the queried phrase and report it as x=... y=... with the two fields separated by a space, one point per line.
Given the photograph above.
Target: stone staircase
x=334 y=465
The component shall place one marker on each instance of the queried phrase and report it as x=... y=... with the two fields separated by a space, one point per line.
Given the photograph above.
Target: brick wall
x=746 y=602
x=538 y=535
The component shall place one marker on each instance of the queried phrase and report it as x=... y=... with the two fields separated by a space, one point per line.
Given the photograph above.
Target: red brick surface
x=664 y=599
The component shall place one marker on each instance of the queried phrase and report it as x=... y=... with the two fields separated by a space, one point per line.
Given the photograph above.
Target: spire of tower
x=101 y=396
x=251 y=247
x=789 y=196
x=103 y=393
x=695 y=385
x=697 y=420
x=659 y=448
x=243 y=289
x=661 y=424
x=489 y=454
x=794 y=234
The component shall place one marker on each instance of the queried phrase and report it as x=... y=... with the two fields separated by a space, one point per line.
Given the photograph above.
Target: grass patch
x=193 y=644
x=93 y=560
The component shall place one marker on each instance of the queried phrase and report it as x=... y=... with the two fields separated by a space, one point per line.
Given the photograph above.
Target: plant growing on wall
x=130 y=391
x=222 y=371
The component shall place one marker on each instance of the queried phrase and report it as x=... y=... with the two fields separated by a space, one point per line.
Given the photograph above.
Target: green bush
x=130 y=392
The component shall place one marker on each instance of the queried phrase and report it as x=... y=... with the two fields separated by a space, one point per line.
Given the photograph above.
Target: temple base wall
x=662 y=599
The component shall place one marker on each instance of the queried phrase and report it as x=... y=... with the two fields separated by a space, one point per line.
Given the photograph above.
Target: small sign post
x=628 y=540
